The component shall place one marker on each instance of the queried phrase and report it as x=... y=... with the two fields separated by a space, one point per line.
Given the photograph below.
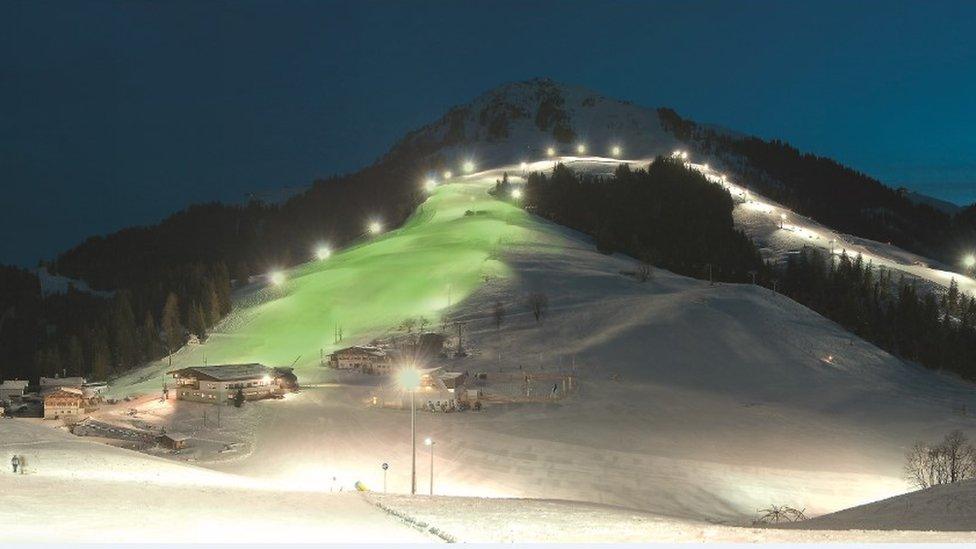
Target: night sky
x=118 y=113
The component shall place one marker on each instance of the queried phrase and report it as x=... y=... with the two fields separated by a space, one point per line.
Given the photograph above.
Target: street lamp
x=615 y=151
x=375 y=227
x=430 y=443
x=551 y=151
x=409 y=379
x=277 y=278
x=323 y=253
x=430 y=184
x=969 y=261
x=385 y=466
x=782 y=220
x=581 y=148
x=448 y=174
x=468 y=166
x=516 y=193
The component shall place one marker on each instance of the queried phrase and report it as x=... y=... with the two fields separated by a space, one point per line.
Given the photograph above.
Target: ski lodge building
x=12 y=389
x=65 y=403
x=367 y=359
x=219 y=384
x=52 y=384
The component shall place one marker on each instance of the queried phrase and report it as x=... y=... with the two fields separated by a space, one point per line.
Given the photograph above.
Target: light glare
x=323 y=252
x=408 y=379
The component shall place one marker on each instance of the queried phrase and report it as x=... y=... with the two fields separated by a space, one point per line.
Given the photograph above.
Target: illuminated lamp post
x=410 y=381
x=429 y=442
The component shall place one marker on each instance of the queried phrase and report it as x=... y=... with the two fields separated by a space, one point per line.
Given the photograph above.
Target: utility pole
x=385 y=466
x=413 y=444
x=431 y=444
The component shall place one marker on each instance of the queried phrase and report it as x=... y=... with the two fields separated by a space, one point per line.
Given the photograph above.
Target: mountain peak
x=521 y=120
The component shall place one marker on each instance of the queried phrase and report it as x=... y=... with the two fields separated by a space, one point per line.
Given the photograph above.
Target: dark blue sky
x=118 y=113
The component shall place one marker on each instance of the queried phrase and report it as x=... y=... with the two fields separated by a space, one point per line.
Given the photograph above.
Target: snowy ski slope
x=700 y=402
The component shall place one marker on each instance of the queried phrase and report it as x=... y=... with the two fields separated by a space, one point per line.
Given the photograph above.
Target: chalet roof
x=175 y=437
x=63 y=381
x=225 y=372
x=451 y=375
x=13 y=384
x=65 y=392
x=363 y=349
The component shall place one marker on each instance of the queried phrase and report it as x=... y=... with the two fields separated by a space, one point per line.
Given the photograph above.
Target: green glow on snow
x=440 y=253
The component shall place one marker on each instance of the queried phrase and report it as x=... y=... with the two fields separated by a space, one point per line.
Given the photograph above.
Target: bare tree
x=409 y=324
x=498 y=313
x=644 y=272
x=538 y=303
x=952 y=460
x=776 y=514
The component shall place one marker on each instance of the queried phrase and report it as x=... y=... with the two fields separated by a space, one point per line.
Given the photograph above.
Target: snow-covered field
x=479 y=520
x=81 y=491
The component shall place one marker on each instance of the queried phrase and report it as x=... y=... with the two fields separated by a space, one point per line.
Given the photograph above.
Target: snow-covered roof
x=176 y=437
x=63 y=381
x=363 y=349
x=14 y=384
x=64 y=392
x=224 y=372
x=452 y=375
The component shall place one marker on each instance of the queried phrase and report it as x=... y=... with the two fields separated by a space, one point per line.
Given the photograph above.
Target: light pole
x=385 y=466
x=430 y=442
x=409 y=379
x=413 y=445
x=969 y=261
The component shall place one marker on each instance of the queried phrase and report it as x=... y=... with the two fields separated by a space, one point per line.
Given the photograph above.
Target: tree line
x=936 y=331
x=171 y=280
x=833 y=194
x=79 y=333
x=667 y=215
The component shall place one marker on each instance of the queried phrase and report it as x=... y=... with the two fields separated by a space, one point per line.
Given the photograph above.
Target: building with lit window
x=219 y=384
x=66 y=403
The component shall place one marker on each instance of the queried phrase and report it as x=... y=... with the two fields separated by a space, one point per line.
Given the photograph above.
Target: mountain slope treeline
x=174 y=279
x=833 y=194
x=938 y=332
x=667 y=215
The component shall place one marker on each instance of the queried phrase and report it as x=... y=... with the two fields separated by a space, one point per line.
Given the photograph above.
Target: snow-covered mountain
x=539 y=119
x=521 y=121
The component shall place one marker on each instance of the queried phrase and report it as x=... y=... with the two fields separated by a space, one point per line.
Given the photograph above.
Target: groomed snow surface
x=698 y=405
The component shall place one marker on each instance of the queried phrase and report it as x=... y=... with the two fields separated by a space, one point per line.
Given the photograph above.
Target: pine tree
x=75 y=357
x=172 y=328
x=197 y=321
x=101 y=356
x=212 y=309
x=124 y=342
x=150 y=338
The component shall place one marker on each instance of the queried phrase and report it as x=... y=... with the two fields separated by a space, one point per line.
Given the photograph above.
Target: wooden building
x=66 y=403
x=219 y=384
